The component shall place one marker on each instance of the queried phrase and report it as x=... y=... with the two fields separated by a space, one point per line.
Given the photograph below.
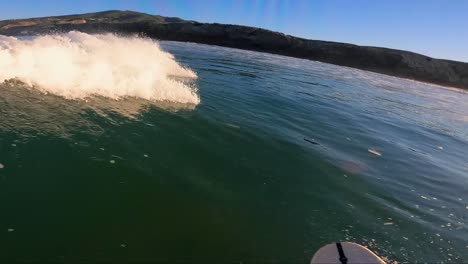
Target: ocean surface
x=264 y=158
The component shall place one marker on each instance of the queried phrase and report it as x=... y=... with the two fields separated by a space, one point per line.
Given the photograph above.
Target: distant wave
x=76 y=65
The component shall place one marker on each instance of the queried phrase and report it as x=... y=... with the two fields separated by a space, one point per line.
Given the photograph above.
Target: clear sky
x=438 y=28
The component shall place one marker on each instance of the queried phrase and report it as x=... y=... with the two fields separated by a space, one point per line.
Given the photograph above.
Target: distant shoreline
x=392 y=62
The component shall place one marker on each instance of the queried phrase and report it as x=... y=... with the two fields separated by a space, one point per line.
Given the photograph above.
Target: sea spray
x=77 y=65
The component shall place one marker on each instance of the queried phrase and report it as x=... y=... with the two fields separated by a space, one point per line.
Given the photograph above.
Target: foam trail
x=76 y=65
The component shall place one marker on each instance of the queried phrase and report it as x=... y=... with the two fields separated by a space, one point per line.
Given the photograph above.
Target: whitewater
x=77 y=65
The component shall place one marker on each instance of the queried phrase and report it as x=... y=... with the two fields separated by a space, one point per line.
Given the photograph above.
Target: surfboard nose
x=345 y=253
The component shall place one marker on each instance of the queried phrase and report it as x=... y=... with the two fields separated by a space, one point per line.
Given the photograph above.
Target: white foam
x=76 y=65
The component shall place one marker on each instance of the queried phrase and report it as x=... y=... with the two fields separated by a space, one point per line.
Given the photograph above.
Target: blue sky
x=438 y=28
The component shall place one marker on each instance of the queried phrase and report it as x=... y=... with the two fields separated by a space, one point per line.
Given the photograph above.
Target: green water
x=270 y=166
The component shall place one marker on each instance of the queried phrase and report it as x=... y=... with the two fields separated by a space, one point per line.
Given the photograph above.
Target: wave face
x=77 y=65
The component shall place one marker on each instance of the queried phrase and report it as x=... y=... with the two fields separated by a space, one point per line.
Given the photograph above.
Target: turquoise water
x=281 y=156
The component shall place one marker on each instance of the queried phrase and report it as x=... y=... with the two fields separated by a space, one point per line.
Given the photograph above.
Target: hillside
x=382 y=60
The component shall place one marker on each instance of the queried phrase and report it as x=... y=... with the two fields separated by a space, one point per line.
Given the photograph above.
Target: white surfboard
x=345 y=253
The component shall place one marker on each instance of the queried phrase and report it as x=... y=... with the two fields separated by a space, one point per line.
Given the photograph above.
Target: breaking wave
x=77 y=65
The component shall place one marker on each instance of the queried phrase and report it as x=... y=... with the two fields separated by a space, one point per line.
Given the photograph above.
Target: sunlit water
x=280 y=157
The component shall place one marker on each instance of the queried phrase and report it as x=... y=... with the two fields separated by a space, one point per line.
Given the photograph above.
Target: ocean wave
x=77 y=65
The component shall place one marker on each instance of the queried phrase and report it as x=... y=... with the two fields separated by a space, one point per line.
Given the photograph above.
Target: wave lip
x=77 y=65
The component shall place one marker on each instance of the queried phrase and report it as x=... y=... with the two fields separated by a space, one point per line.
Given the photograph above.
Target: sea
x=129 y=150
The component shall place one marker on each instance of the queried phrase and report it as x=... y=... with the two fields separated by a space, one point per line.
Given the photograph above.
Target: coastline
x=398 y=63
